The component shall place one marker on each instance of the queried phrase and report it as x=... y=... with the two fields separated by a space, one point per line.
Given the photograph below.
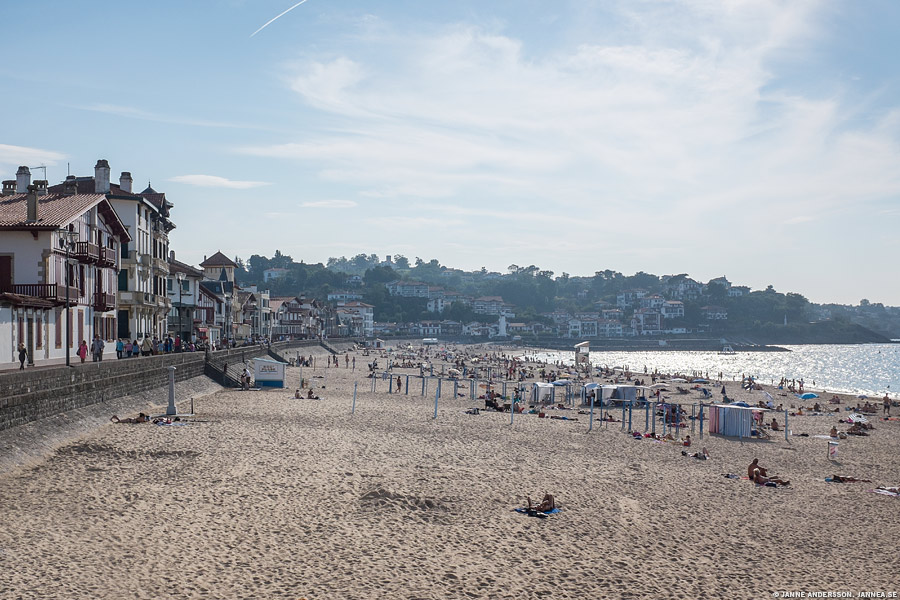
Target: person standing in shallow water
x=887 y=405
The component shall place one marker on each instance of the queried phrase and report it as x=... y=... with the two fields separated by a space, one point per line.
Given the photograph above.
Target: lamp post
x=180 y=278
x=66 y=241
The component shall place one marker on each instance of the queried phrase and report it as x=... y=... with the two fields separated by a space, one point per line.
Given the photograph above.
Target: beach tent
x=268 y=373
x=541 y=392
x=731 y=420
x=807 y=396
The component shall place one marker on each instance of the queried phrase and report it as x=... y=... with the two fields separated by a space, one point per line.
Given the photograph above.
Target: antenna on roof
x=44 y=167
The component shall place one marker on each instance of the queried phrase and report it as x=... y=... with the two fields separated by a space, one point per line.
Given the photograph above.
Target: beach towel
x=535 y=513
x=885 y=492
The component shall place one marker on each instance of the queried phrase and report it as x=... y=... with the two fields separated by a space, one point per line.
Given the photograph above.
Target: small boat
x=727 y=350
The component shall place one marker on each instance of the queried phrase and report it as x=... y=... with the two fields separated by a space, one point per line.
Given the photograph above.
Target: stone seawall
x=32 y=395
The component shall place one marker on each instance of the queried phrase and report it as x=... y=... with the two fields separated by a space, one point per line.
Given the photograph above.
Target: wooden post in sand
x=786 y=432
x=504 y=389
x=407 y=385
x=456 y=388
x=701 y=420
x=439 y=387
x=591 y=417
x=373 y=382
x=653 y=423
x=646 y=417
x=390 y=385
x=629 y=417
x=437 y=394
x=353 y=409
x=623 y=416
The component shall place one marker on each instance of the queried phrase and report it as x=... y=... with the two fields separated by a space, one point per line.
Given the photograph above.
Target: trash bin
x=832 y=450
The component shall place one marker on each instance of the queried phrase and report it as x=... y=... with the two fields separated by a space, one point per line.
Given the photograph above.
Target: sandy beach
x=261 y=495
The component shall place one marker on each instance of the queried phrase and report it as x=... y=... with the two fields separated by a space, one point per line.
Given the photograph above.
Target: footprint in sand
x=630 y=512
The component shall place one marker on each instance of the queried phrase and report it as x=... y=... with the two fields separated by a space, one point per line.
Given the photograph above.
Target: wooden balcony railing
x=104 y=301
x=47 y=291
x=107 y=257
x=87 y=252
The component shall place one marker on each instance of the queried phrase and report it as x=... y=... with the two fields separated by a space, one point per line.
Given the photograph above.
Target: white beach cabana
x=541 y=393
x=268 y=373
x=731 y=420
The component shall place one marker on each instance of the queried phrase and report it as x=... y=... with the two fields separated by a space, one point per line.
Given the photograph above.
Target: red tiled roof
x=218 y=260
x=54 y=210
x=176 y=266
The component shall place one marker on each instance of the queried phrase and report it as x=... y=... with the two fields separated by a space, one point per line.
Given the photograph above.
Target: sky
x=755 y=139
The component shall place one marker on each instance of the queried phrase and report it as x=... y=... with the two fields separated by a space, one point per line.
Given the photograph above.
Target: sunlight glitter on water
x=870 y=369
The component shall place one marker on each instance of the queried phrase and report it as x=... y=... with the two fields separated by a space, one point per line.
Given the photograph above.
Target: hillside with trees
x=766 y=314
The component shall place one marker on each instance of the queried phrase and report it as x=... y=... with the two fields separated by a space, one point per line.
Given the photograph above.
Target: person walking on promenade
x=23 y=354
x=97 y=348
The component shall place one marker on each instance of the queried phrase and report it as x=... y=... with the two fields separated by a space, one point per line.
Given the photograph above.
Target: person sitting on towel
x=546 y=505
x=758 y=479
x=834 y=432
x=775 y=425
x=310 y=395
x=755 y=466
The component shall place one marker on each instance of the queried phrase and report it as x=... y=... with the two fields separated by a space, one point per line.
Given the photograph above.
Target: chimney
x=41 y=186
x=101 y=177
x=70 y=186
x=23 y=180
x=32 y=203
x=171 y=256
x=9 y=187
x=125 y=181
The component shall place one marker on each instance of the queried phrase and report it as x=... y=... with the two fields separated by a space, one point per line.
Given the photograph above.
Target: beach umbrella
x=863 y=397
x=808 y=396
x=660 y=386
x=744 y=404
x=700 y=381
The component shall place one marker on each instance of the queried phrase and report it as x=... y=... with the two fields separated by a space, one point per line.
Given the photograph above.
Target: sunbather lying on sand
x=704 y=455
x=141 y=418
x=847 y=479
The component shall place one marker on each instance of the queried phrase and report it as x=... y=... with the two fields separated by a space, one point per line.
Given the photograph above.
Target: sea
x=863 y=369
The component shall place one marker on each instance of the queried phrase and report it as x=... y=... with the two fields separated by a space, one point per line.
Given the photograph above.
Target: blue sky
x=755 y=139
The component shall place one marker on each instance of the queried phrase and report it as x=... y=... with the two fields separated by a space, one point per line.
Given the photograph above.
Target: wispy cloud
x=329 y=204
x=217 y=182
x=23 y=155
x=683 y=124
x=132 y=112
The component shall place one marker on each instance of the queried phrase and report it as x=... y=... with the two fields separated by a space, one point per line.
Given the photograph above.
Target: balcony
x=87 y=252
x=104 y=301
x=160 y=266
x=47 y=291
x=107 y=257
